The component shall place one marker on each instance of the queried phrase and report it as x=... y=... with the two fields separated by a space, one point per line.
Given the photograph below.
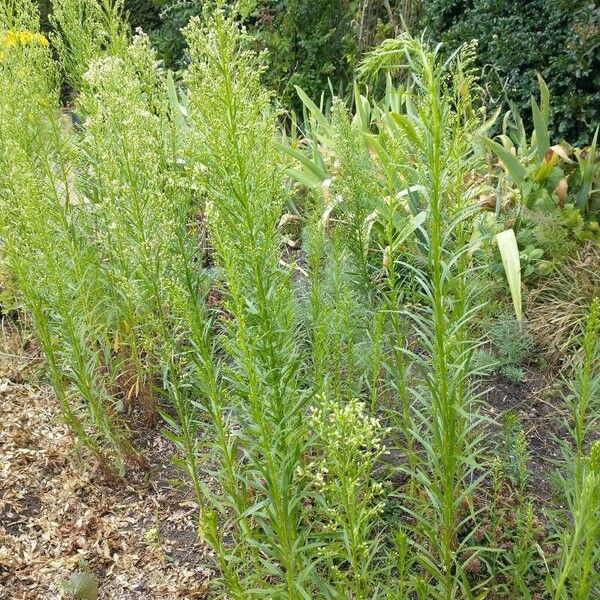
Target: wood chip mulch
x=56 y=509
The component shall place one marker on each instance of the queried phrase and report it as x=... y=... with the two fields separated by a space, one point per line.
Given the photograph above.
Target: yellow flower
x=8 y=39
x=11 y=38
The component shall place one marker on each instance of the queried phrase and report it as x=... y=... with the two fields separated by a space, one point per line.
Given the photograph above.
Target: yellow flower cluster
x=11 y=38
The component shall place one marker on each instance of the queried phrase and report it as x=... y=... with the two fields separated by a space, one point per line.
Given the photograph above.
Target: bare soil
x=538 y=405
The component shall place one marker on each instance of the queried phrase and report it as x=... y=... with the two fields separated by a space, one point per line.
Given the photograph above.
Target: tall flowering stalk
x=432 y=153
x=136 y=211
x=348 y=446
x=577 y=576
x=241 y=178
x=85 y=30
x=55 y=265
x=579 y=530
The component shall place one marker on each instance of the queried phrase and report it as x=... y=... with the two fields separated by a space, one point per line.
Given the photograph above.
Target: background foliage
x=314 y=42
x=560 y=39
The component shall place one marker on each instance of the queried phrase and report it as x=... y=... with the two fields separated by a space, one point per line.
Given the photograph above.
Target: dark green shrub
x=167 y=37
x=310 y=42
x=144 y=13
x=560 y=39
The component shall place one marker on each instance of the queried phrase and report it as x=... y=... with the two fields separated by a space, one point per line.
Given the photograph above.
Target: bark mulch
x=56 y=509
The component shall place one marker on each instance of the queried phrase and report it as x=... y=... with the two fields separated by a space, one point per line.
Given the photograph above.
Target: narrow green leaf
x=306 y=178
x=587 y=168
x=544 y=98
x=540 y=126
x=363 y=108
x=489 y=122
x=409 y=129
x=306 y=162
x=178 y=110
x=312 y=108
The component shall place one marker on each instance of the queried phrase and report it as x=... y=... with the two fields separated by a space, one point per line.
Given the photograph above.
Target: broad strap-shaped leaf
x=489 y=122
x=405 y=123
x=509 y=251
x=178 y=109
x=544 y=98
x=363 y=109
x=312 y=172
x=313 y=108
x=540 y=125
x=515 y=169
x=587 y=168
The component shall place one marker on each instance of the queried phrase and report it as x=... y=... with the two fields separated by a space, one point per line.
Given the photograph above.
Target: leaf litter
x=138 y=538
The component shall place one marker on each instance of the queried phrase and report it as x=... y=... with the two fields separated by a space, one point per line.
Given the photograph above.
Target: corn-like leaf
x=312 y=172
x=409 y=129
x=540 y=124
x=515 y=169
x=544 y=98
x=587 y=168
x=488 y=123
x=313 y=108
x=509 y=250
x=178 y=110
x=363 y=109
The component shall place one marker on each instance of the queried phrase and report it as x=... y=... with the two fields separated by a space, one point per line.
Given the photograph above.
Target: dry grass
x=557 y=307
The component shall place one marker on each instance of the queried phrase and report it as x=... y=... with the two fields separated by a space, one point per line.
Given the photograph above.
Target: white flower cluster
x=349 y=444
x=102 y=69
x=348 y=425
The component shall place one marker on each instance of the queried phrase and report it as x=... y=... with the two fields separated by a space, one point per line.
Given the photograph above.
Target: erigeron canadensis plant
x=56 y=267
x=521 y=559
x=438 y=127
x=86 y=30
x=583 y=397
x=318 y=309
x=337 y=319
x=577 y=575
x=292 y=504
x=524 y=552
x=355 y=187
x=578 y=530
x=239 y=171
x=136 y=210
x=515 y=453
x=349 y=500
x=398 y=227
x=375 y=229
